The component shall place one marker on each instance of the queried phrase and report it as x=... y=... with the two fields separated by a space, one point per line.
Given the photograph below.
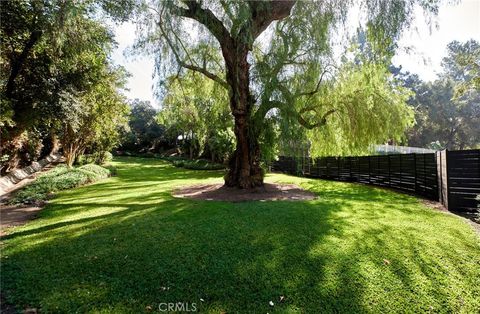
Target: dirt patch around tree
x=268 y=192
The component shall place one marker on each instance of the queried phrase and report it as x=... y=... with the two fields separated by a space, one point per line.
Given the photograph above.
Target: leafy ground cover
x=57 y=179
x=198 y=164
x=125 y=245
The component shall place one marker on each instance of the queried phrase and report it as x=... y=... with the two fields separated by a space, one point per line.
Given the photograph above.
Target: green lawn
x=125 y=244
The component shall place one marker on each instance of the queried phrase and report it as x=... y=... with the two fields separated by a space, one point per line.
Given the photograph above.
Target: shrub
x=99 y=158
x=100 y=172
x=149 y=155
x=178 y=163
x=57 y=179
x=198 y=164
x=58 y=170
x=172 y=158
x=202 y=165
x=104 y=157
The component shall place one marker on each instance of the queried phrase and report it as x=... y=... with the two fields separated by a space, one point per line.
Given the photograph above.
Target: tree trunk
x=10 y=145
x=244 y=166
x=70 y=153
x=244 y=171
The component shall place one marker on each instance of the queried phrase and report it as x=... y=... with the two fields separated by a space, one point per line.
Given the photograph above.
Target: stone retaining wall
x=8 y=181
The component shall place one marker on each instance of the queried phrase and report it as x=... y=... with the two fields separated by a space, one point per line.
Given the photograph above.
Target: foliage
x=444 y=117
x=57 y=179
x=52 y=48
x=99 y=158
x=462 y=64
x=370 y=107
x=96 y=119
x=198 y=164
x=354 y=249
x=197 y=110
x=144 y=132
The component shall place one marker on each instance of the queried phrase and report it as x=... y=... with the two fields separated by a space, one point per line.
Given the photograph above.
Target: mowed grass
x=125 y=245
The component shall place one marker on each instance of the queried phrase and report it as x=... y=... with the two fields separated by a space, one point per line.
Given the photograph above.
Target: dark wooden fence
x=452 y=178
x=412 y=173
x=459 y=173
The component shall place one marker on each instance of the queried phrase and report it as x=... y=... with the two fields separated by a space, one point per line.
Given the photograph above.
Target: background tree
x=447 y=110
x=47 y=48
x=462 y=65
x=93 y=119
x=144 y=134
x=283 y=73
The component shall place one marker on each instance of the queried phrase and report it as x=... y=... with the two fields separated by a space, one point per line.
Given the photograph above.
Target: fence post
x=442 y=177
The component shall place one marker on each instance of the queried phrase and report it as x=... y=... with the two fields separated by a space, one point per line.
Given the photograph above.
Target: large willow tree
x=275 y=64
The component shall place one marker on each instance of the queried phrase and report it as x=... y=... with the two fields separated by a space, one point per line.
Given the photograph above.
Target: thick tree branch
x=18 y=62
x=266 y=106
x=192 y=67
x=265 y=12
x=317 y=124
x=205 y=72
x=204 y=17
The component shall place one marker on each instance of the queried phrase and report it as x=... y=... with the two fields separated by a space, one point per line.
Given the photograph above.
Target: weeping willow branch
x=317 y=88
x=319 y=123
x=268 y=105
x=192 y=67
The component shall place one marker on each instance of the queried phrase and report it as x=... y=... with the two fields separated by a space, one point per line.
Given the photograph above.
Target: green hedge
x=198 y=164
x=57 y=179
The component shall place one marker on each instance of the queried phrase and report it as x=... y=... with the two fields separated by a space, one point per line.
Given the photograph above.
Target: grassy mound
x=57 y=179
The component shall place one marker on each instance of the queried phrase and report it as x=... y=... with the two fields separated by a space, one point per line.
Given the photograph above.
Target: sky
x=421 y=48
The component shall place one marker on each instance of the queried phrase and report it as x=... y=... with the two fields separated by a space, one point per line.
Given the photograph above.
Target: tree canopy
x=51 y=49
x=275 y=60
x=447 y=110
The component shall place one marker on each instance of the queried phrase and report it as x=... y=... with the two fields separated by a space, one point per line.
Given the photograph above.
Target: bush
x=105 y=157
x=57 y=179
x=172 y=158
x=202 y=165
x=149 y=155
x=100 y=172
x=198 y=164
x=99 y=158
x=178 y=163
x=85 y=159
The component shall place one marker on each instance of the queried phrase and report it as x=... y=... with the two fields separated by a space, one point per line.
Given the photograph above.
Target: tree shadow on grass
x=354 y=250
x=237 y=257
